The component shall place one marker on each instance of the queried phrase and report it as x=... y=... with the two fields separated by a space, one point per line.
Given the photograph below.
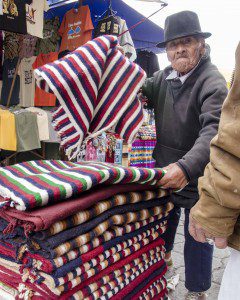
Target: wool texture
x=96 y=86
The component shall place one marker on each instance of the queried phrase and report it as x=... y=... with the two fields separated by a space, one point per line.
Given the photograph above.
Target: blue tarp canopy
x=145 y=36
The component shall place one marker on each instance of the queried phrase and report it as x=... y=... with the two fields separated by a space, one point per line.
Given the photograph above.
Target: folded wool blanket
x=159 y=286
x=96 y=86
x=97 y=231
x=74 y=278
x=157 y=243
x=118 y=283
x=118 y=215
x=157 y=271
x=98 y=245
x=99 y=208
x=64 y=264
x=74 y=268
x=39 y=183
x=136 y=263
x=42 y=218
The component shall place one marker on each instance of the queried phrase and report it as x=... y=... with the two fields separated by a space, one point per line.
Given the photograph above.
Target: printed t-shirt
x=9 y=69
x=27 y=45
x=27 y=82
x=50 y=40
x=14 y=16
x=8 y=139
x=35 y=16
x=41 y=97
x=76 y=28
x=11 y=45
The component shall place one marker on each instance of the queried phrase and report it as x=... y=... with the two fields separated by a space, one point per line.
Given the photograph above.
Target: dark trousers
x=197 y=256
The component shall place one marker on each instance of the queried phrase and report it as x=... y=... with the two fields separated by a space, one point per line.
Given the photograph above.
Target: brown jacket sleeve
x=219 y=206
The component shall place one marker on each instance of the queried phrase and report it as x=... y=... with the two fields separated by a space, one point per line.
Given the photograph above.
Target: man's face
x=184 y=53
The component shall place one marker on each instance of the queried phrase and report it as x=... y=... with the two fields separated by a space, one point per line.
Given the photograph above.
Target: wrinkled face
x=184 y=53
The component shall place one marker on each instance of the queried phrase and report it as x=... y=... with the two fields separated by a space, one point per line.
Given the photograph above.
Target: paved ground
x=219 y=263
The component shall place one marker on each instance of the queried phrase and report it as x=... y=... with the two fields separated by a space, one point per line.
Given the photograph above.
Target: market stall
x=83 y=228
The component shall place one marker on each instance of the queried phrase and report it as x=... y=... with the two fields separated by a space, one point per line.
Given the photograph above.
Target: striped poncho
x=96 y=87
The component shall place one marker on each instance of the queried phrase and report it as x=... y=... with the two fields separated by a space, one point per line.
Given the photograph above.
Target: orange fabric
x=41 y=97
x=76 y=28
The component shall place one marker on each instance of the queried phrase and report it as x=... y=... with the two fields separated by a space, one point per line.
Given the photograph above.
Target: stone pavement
x=219 y=263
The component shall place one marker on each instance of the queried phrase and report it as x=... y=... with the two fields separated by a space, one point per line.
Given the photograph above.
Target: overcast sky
x=221 y=18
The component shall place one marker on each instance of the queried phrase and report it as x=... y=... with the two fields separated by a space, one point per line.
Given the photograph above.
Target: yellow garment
x=8 y=139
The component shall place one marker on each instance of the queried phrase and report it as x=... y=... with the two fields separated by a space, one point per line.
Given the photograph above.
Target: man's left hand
x=174 y=178
x=201 y=235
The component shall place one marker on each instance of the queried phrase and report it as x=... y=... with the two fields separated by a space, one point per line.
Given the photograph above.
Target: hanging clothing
x=9 y=69
x=53 y=136
x=11 y=45
x=8 y=139
x=76 y=28
x=148 y=61
x=27 y=82
x=126 y=41
x=26 y=130
x=42 y=121
x=35 y=17
x=49 y=42
x=41 y=97
x=1 y=7
x=96 y=92
x=108 y=25
x=27 y=45
x=14 y=16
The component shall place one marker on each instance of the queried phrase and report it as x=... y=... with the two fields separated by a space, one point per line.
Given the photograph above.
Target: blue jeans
x=197 y=256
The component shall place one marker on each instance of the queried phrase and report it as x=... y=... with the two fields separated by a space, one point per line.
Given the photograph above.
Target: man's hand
x=174 y=178
x=201 y=235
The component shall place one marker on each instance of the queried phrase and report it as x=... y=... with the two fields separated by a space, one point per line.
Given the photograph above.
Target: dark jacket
x=187 y=118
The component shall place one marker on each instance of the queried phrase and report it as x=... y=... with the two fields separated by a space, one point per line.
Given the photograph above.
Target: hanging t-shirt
x=27 y=82
x=11 y=45
x=8 y=139
x=9 y=69
x=126 y=41
x=41 y=97
x=76 y=28
x=50 y=40
x=14 y=16
x=27 y=45
x=35 y=16
x=1 y=53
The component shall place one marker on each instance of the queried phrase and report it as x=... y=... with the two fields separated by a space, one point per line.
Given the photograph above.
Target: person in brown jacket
x=216 y=215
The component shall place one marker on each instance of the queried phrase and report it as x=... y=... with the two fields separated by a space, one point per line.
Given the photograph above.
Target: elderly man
x=217 y=214
x=187 y=98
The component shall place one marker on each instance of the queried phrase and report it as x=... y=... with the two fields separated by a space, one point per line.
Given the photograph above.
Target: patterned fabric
x=116 y=233
x=96 y=86
x=39 y=183
x=120 y=199
x=141 y=154
x=156 y=288
x=118 y=215
x=11 y=45
x=93 y=287
x=101 y=228
x=69 y=284
x=97 y=259
x=112 y=287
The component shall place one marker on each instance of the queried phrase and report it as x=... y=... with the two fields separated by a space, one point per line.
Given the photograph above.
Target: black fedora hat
x=184 y=23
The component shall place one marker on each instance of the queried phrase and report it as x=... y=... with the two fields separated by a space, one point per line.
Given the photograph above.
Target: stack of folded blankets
x=82 y=231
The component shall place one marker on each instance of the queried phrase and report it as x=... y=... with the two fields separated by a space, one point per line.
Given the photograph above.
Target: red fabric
x=136 y=296
x=117 y=265
x=42 y=218
x=138 y=280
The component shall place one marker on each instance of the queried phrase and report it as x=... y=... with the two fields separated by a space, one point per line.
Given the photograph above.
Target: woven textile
x=138 y=262
x=97 y=245
x=118 y=215
x=99 y=230
x=85 y=215
x=42 y=218
x=65 y=283
x=62 y=265
x=38 y=183
x=96 y=86
x=154 y=289
x=112 y=287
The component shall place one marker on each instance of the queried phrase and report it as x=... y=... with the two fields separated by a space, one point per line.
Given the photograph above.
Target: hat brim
x=205 y=35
